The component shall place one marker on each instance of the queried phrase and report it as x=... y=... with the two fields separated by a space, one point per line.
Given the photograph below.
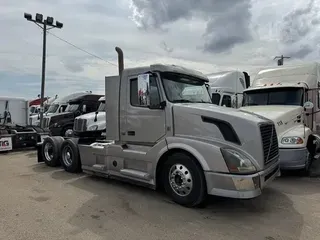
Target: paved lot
x=38 y=202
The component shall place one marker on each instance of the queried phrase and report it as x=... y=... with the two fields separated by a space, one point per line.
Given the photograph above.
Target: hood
x=221 y=125
x=90 y=116
x=284 y=117
x=100 y=124
x=56 y=117
x=211 y=110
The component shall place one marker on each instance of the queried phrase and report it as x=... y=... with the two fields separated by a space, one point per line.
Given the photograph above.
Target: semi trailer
x=158 y=138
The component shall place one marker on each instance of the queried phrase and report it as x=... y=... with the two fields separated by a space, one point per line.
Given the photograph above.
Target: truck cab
x=289 y=95
x=226 y=88
x=91 y=124
x=34 y=110
x=61 y=124
x=59 y=105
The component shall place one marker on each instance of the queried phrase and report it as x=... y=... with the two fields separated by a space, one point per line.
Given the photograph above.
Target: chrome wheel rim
x=48 y=151
x=67 y=156
x=180 y=180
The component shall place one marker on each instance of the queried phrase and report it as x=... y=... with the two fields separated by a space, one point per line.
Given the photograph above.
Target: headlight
x=55 y=125
x=292 y=140
x=93 y=128
x=237 y=162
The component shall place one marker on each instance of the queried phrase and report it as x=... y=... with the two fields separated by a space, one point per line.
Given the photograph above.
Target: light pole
x=280 y=59
x=44 y=24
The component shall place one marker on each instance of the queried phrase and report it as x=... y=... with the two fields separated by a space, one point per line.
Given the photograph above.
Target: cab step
x=135 y=174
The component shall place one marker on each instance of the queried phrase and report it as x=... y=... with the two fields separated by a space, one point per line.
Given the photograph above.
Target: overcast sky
x=208 y=35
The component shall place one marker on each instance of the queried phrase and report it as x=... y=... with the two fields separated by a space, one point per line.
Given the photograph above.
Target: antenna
x=280 y=59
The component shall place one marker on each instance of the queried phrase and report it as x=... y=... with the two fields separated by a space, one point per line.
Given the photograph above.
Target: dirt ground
x=38 y=202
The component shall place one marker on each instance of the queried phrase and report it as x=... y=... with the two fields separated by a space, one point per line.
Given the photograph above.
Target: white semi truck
x=157 y=138
x=226 y=88
x=15 y=131
x=290 y=96
x=91 y=124
x=59 y=105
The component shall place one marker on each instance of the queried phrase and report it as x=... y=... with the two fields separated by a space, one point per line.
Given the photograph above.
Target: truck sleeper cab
x=226 y=88
x=281 y=94
x=61 y=124
x=158 y=137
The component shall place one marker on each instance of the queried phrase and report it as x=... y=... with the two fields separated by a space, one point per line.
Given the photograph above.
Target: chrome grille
x=269 y=142
x=80 y=125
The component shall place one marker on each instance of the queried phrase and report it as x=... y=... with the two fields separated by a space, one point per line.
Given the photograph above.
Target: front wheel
x=70 y=157
x=184 y=180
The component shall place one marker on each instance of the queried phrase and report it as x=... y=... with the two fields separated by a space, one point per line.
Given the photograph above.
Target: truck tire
x=51 y=150
x=70 y=157
x=306 y=170
x=183 y=180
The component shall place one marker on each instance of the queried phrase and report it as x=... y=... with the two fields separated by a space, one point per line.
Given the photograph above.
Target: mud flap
x=39 y=153
x=6 y=143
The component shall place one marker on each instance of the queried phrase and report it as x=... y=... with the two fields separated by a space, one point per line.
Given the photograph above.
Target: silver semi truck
x=157 y=138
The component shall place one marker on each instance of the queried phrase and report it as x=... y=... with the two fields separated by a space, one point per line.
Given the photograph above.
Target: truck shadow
x=271 y=216
x=61 y=174
x=295 y=183
x=42 y=168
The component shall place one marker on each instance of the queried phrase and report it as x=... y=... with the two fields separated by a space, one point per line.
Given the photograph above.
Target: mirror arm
x=308 y=114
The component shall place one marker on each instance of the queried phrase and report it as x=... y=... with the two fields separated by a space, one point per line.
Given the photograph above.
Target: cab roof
x=168 y=68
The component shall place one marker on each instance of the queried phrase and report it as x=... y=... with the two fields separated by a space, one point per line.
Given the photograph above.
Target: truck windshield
x=72 y=107
x=273 y=96
x=102 y=107
x=182 y=88
x=53 y=108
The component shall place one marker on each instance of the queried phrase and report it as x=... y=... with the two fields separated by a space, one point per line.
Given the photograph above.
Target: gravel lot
x=38 y=202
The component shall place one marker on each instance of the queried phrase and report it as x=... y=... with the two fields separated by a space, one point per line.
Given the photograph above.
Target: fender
x=192 y=151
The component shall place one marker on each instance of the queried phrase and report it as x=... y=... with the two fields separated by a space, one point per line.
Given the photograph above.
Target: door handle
x=131 y=133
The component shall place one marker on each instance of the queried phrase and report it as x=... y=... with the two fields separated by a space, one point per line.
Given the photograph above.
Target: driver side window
x=138 y=98
x=226 y=100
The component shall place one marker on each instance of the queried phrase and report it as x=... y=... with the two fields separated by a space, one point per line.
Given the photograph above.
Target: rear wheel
x=70 y=157
x=51 y=152
x=184 y=180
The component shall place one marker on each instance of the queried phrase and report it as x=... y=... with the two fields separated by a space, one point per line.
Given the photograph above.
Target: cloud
x=207 y=35
x=299 y=30
x=227 y=22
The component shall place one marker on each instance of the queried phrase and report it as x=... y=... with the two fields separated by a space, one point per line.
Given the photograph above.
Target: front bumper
x=240 y=186
x=293 y=159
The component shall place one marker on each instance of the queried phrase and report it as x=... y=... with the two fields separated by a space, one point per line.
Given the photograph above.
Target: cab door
x=145 y=119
